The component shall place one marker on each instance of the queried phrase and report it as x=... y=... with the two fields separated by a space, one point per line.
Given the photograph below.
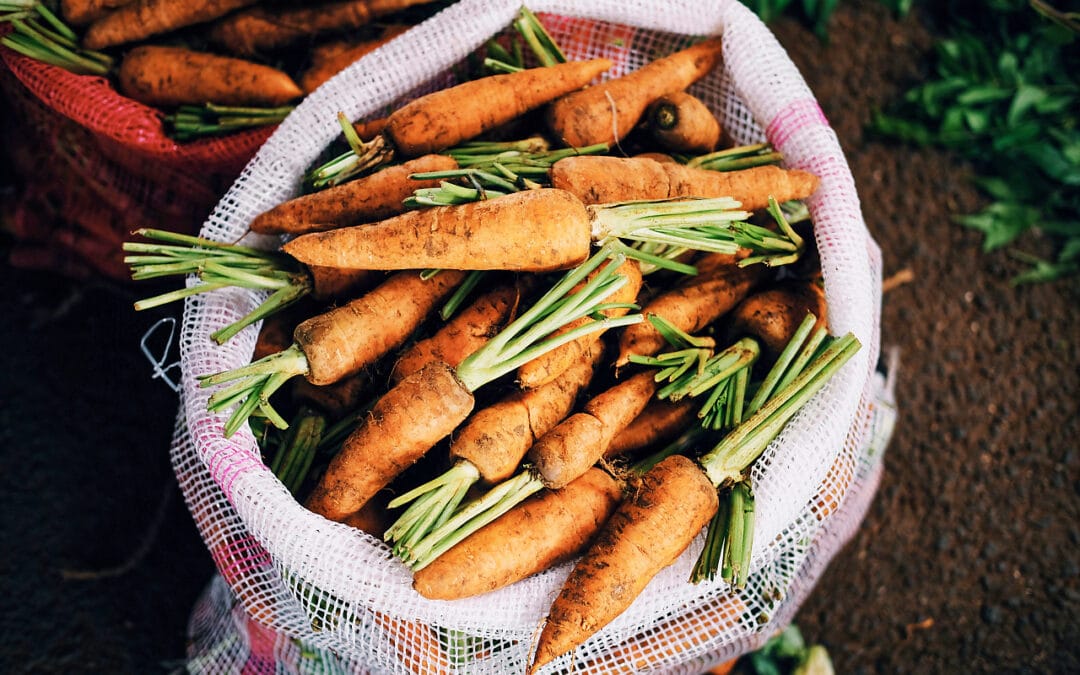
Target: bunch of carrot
x=214 y=66
x=604 y=307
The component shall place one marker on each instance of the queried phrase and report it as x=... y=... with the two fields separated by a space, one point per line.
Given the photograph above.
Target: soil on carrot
x=966 y=561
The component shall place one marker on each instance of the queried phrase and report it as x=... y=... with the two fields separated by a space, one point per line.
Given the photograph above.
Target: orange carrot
x=544 y=369
x=404 y=424
x=170 y=76
x=266 y=28
x=774 y=314
x=332 y=283
x=337 y=399
x=463 y=335
x=331 y=58
x=607 y=112
x=496 y=438
x=580 y=441
x=140 y=19
x=659 y=422
x=681 y=122
x=82 y=12
x=373 y=197
x=599 y=179
x=514 y=546
x=449 y=116
x=692 y=305
x=367 y=130
x=646 y=533
x=534 y=230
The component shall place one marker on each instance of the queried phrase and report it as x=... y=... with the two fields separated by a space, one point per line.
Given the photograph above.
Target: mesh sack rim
x=235 y=463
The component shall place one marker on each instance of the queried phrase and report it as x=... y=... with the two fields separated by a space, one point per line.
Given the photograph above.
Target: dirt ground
x=967 y=561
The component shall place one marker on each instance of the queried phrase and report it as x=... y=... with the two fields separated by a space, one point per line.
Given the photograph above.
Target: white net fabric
x=338 y=591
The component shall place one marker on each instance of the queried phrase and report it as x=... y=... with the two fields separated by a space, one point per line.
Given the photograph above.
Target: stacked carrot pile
x=571 y=343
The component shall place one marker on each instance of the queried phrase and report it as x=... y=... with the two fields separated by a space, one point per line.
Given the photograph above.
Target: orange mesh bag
x=92 y=165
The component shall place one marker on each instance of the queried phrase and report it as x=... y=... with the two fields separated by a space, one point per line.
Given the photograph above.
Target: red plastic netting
x=91 y=165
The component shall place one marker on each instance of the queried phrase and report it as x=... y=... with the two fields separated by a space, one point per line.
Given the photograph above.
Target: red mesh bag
x=91 y=165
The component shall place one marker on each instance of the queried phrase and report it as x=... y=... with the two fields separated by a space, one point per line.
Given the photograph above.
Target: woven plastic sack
x=332 y=589
x=95 y=165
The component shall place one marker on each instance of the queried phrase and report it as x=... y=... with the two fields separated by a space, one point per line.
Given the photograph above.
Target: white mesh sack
x=316 y=587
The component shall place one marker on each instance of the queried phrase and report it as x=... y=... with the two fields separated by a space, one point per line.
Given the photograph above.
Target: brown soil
x=967 y=561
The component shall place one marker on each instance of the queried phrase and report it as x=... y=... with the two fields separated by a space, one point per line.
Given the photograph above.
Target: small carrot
x=370 y=198
x=540 y=371
x=266 y=28
x=607 y=112
x=773 y=314
x=545 y=530
x=170 y=76
x=330 y=58
x=462 y=335
x=691 y=305
x=140 y=19
x=681 y=122
x=659 y=422
x=597 y=179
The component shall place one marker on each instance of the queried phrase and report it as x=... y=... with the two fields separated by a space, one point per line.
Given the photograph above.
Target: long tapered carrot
x=449 y=116
x=540 y=371
x=569 y=517
x=169 y=76
x=141 y=19
x=535 y=230
x=373 y=197
x=599 y=179
x=691 y=305
x=265 y=28
x=580 y=441
x=607 y=112
x=328 y=59
x=462 y=335
x=659 y=422
x=640 y=539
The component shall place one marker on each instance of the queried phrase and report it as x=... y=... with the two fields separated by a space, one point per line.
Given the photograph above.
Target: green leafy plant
x=1005 y=94
x=814 y=13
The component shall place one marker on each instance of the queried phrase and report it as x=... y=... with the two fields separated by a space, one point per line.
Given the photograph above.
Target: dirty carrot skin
x=370 y=198
x=586 y=117
x=580 y=441
x=449 y=116
x=598 y=179
x=535 y=230
x=539 y=372
x=772 y=315
x=692 y=305
x=171 y=76
x=331 y=58
x=659 y=422
x=82 y=12
x=648 y=531
x=681 y=122
x=140 y=19
x=570 y=517
x=261 y=29
x=462 y=335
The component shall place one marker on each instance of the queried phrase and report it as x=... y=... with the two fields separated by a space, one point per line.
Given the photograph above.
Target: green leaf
x=1001 y=223
x=1027 y=97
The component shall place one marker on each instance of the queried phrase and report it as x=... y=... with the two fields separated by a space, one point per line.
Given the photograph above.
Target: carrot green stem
x=780 y=366
x=733 y=159
x=297 y=449
x=433 y=503
x=709 y=561
x=191 y=121
x=253 y=385
x=41 y=35
x=538 y=39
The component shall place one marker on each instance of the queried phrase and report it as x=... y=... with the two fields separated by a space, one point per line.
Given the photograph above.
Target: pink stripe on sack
x=796 y=116
x=234 y=559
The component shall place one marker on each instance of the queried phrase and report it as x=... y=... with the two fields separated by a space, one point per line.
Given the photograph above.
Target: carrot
x=369 y=129
x=648 y=531
x=772 y=315
x=579 y=441
x=266 y=28
x=536 y=230
x=336 y=344
x=82 y=12
x=425 y=407
x=598 y=179
x=370 y=519
x=607 y=112
x=337 y=399
x=463 y=335
x=659 y=422
x=374 y=197
x=170 y=76
x=331 y=58
x=449 y=116
x=540 y=371
x=680 y=122
x=141 y=19
x=569 y=517
x=692 y=305
x=331 y=283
